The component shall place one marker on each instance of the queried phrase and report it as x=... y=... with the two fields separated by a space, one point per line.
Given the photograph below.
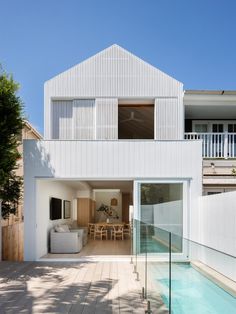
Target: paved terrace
x=60 y=287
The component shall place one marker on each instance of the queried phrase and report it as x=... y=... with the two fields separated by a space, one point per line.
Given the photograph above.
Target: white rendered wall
x=218 y=221
x=218 y=230
x=105 y=198
x=84 y=194
x=44 y=191
x=109 y=160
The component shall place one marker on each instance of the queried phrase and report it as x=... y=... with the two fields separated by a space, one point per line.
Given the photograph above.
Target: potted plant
x=108 y=211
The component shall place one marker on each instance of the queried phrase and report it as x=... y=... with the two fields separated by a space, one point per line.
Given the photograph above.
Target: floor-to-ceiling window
x=161 y=205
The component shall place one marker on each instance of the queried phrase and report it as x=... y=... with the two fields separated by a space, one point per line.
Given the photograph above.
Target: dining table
x=109 y=225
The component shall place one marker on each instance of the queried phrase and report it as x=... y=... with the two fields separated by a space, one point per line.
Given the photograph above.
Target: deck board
x=69 y=287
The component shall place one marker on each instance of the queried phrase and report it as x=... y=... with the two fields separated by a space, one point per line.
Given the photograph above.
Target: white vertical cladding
x=47 y=112
x=106 y=118
x=84 y=119
x=115 y=73
x=112 y=160
x=61 y=114
x=116 y=159
x=169 y=118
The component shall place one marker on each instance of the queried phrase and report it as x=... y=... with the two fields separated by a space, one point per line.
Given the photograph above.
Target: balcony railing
x=215 y=145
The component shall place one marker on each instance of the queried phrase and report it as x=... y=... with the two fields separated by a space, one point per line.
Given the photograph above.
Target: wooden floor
x=99 y=247
x=85 y=287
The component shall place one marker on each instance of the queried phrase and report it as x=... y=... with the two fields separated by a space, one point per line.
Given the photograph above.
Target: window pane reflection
x=162 y=207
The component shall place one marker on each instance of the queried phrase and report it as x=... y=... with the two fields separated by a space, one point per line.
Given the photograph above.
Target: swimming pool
x=153 y=246
x=159 y=244
x=191 y=291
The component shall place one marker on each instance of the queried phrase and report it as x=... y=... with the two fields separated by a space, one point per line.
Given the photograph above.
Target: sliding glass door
x=162 y=206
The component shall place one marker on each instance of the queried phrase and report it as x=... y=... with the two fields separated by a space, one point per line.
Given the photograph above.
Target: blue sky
x=191 y=40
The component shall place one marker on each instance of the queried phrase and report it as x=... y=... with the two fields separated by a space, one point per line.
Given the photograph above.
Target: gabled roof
x=29 y=126
x=113 y=72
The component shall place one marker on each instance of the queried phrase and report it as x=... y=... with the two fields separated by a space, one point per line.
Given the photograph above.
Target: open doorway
x=136 y=121
x=76 y=205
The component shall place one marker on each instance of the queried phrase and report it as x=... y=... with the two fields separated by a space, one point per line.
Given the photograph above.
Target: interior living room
x=83 y=218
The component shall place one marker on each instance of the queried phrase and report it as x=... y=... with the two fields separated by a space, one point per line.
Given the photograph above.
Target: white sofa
x=65 y=242
x=82 y=230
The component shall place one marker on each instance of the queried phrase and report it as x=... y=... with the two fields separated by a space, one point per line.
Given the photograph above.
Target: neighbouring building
x=28 y=132
x=11 y=239
x=211 y=117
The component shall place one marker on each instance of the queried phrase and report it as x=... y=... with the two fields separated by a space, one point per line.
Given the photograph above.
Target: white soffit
x=210 y=112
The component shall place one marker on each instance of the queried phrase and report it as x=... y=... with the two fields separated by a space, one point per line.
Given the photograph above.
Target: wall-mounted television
x=55 y=208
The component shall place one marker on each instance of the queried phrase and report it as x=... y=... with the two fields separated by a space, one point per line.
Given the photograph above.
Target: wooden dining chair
x=100 y=231
x=127 y=230
x=117 y=232
x=91 y=228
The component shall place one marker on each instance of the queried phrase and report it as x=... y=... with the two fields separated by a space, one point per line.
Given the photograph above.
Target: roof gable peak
x=110 y=58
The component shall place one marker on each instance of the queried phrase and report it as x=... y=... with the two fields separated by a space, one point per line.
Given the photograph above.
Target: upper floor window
x=214 y=126
x=136 y=121
x=232 y=128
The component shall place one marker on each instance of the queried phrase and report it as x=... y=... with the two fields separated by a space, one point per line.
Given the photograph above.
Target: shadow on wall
x=37 y=160
x=37 y=163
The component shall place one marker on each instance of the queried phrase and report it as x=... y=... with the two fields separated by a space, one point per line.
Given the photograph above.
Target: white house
x=115 y=124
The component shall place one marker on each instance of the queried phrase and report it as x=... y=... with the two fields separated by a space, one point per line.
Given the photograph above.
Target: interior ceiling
x=133 y=101
x=136 y=122
x=123 y=186
x=210 y=112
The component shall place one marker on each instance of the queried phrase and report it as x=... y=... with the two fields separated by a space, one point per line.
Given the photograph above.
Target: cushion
x=65 y=228
x=59 y=229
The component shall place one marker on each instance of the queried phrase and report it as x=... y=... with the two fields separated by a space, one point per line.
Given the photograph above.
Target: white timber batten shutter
x=169 y=114
x=84 y=119
x=106 y=118
x=62 y=119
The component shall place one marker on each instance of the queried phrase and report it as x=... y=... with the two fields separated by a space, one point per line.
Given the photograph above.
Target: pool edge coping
x=219 y=279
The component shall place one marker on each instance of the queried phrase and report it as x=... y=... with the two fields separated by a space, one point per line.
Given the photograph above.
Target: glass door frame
x=184 y=255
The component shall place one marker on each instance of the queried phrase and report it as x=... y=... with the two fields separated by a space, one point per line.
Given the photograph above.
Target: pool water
x=157 y=245
x=191 y=291
x=153 y=246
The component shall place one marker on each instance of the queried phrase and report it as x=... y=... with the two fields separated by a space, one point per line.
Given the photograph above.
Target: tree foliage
x=11 y=123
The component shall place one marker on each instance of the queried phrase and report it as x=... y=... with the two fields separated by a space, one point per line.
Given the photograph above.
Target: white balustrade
x=215 y=145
